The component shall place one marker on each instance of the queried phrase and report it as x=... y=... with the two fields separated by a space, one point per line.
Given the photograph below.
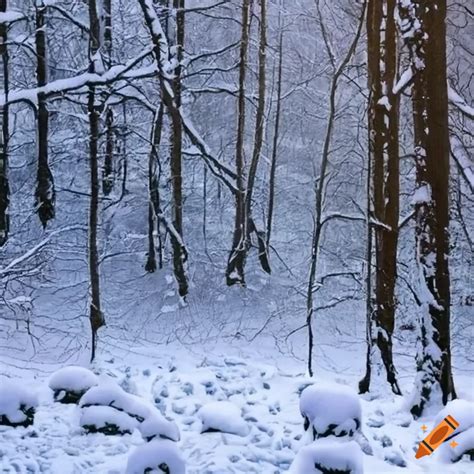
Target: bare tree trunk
x=423 y=25
x=179 y=257
x=276 y=137
x=45 y=193
x=154 y=207
x=258 y=143
x=172 y=101
x=108 y=172
x=383 y=153
x=4 y=132
x=96 y=316
x=235 y=272
x=320 y=183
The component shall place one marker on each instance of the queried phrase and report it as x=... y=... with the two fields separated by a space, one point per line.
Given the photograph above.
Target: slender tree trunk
x=179 y=256
x=96 y=316
x=321 y=181
x=235 y=272
x=45 y=193
x=423 y=25
x=383 y=153
x=258 y=143
x=108 y=172
x=172 y=101
x=276 y=137
x=4 y=132
x=154 y=207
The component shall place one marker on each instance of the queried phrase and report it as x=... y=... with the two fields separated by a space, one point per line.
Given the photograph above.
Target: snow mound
x=158 y=456
x=463 y=412
x=327 y=456
x=17 y=404
x=330 y=410
x=107 y=420
x=110 y=394
x=70 y=383
x=157 y=426
x=224 y=417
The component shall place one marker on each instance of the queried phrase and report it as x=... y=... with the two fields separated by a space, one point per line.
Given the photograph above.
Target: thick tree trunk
x=45 y=193
x=96 y=316
x=423 y=24
x=235 y=272
x=384 y=156
x=4 y=132
x=108 y=172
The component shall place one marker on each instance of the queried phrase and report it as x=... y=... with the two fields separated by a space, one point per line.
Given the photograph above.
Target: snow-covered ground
x=261 y=390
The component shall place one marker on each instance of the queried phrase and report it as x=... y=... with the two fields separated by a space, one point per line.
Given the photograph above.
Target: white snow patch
x=156 y=425
x=153 y=454
x=329 y=455
x=223 y=416
x=14 y=399
x=331 y=404
x=73 y=378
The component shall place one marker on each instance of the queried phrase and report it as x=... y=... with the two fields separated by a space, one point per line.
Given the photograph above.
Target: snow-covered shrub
x=158 y=456
x=107 y=420
x=330 y=410
x=108 y=409
x=17 y=404
x=157 y=426
x=463 y=412
x=327 y=456
x=70 y=383
x=223 y=417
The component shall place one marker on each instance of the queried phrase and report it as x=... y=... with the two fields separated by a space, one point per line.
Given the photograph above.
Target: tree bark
x=179 y=255
x=235 y=272
x=276 y=137
x=4 y=132
x=423 y=25
x=96 y=316
x=154 y=207
x=45 y=192
x=108 y=172
x=384 y=158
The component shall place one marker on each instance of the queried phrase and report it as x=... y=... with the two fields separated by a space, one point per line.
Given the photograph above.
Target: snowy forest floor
x=263 y=382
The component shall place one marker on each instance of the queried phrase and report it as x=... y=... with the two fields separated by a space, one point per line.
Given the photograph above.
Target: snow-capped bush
x=17 y=404
x=70 y=383
x=327 y=456
x=224 y=417
x=157 y=426
x=107 y=420
x=330 y=410
x=158 y=456
x=463 y=412
x=110 y=410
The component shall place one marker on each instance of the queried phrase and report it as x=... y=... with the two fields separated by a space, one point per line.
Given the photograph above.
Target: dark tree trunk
x=154 y=208
x=179 y=255
x=108 y=172
x=276 y=137
x=424 y=27
x=96 y=316
x=235 y=272
x=4 y=132
x=384 y=156
x=45 y=193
